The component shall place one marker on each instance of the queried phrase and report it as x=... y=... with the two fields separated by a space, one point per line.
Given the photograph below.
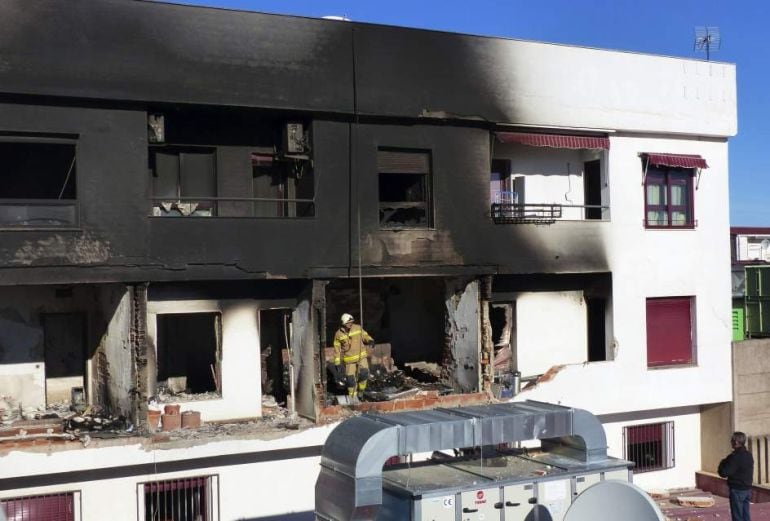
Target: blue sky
x=654 y=26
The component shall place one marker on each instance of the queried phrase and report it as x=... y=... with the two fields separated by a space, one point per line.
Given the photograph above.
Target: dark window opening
x=596 y=310
x=592 y=189
x=670 y=332
x=189 y=351
x=282 y=188
x=274 y=332
x=38 y=184
x=48 y=507
x=668 y=197
x=404 y=189
x=500 y=183
x=650 y=447
x=183 y=181
x=502 y=318
x=64 y=341
x=185 y=499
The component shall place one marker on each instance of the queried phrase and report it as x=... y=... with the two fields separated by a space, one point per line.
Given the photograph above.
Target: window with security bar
x=650 y=446
x=181 y=499
x=62 y=506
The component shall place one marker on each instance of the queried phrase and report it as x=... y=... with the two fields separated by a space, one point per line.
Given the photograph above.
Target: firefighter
x=350 y=350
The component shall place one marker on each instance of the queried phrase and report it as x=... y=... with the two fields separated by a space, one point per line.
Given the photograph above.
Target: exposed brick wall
x=138 y=339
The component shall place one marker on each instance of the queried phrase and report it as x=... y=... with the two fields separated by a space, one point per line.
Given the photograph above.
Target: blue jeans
x=739 y=504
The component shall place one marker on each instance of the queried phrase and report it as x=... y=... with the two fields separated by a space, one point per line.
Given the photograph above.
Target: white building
x=571 y=204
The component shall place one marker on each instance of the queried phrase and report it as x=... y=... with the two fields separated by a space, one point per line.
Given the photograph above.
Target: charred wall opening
x=407 y=313
x=546 y=320
x=426 y=333
x=188 y=345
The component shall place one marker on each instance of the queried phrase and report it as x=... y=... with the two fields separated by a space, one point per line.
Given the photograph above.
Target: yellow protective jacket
x=349 y=346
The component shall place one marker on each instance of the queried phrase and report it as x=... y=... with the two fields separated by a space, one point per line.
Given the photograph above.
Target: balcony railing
x=232 y=207
x=513 y=213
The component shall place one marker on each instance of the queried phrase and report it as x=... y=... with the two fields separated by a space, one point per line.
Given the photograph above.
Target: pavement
x=720 y=511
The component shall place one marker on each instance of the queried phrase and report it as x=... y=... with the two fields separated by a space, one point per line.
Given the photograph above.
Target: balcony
x=548 y=213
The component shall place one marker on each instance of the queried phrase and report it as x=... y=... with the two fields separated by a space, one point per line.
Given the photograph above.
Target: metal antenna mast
x=707 y=39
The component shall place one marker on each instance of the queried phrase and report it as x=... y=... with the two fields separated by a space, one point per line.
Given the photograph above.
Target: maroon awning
x=555 y=140
x=676 y=160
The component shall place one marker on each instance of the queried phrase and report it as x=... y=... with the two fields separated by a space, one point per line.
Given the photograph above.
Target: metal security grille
x=184 y=499
x=49 y=507
x=650 y=447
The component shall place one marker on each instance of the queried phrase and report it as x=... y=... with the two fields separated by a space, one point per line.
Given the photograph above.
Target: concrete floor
x=720 y=511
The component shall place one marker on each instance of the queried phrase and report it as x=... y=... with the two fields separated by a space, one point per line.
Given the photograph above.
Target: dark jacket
x=738 y=468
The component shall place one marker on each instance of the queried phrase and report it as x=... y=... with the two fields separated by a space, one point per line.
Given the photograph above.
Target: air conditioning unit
x=294 y=141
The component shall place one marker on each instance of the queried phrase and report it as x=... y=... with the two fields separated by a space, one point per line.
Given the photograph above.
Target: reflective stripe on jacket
x=349 y=346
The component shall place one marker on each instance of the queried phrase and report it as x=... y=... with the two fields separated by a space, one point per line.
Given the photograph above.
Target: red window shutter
x=669 y=331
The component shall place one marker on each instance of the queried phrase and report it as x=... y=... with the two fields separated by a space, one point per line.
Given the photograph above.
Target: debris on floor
x=168 y=392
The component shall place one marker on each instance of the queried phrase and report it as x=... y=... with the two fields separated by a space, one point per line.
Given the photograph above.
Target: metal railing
x=513 y=213
x=39 y=213
x=235 y=207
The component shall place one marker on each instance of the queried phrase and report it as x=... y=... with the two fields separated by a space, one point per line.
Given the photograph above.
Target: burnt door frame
x=82 y=318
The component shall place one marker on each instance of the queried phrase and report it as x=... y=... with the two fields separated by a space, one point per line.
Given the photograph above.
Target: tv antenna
x=707 y=39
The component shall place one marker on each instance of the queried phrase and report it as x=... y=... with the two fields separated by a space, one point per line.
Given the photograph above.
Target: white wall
x=248 y=490
x=551 y=175
x=657 y=263
x=560 y=85
x=241 y=378
x=687 y=450
x=540 y=345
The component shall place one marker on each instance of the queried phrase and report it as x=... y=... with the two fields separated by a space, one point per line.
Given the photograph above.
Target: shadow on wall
x=297 y=516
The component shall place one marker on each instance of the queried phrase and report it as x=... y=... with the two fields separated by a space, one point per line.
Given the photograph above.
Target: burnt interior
x=188 y=344
x=274 y=341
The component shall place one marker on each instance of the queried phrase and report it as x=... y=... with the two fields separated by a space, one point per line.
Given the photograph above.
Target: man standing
x=350 y=350
x=738 y=468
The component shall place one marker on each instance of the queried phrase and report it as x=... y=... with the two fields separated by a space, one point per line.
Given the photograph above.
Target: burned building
x=191 y=197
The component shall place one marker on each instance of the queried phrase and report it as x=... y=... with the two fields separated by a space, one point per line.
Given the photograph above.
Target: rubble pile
x=167 y=394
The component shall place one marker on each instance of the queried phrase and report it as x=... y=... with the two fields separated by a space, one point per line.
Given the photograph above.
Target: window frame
x=211 y=203
x=211 y=492
x=46 y=139
x=428 y=188
x=74 y=496
x=671 y=176
x=693 y=358
x=665 y=455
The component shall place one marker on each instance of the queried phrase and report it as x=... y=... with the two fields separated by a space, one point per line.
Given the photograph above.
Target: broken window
x=64 y=340
x=38 y=184
x=183 y=181
x=282 y=188
x=650 y=446
x=596 y=311
x=405 y=188
x=61 y=506
x=184 y=499
x=189 y=352
x=503 y=323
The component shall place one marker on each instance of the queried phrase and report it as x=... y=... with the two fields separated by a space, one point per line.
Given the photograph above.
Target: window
x=184 y=499
x=404 y=188
x=183 y=181
x=189 y=351
x=650 y=447
x=669 y=197
x=670 y=339
x=38 y=184
x=61 y=506
x=282 y=188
